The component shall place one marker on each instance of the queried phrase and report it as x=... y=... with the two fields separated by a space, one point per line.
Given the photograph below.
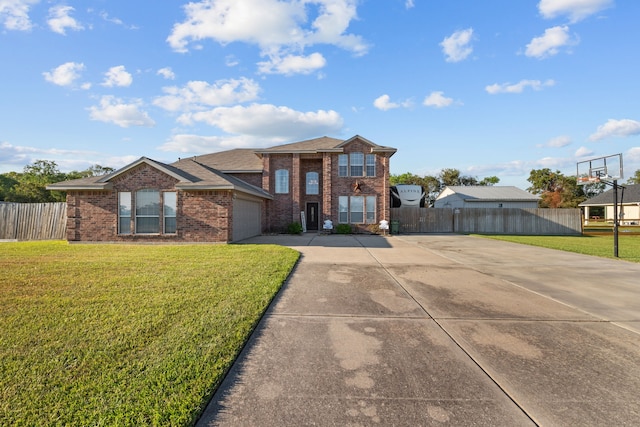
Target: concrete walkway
x=440 y=330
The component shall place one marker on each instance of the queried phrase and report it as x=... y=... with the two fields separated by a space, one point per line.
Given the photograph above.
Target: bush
x=343 y=229
x=294 y=228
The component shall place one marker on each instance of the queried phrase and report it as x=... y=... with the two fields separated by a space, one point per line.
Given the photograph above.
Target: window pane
x=170 y=225
x=343 y=209
x=282 y=181
x=124 y=225
x=147 y=211
x=148 y=202
x=146 y=225
x=124 y=212
x=169 y=209
x=357 y=164
x=370 y=202
x=371 y=165
x=357 y=209
x=313 y=184
x=343 y=164
x=170 y=199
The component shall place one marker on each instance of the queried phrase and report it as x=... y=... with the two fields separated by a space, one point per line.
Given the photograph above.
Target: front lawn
x=125 y=334
x=599 y=245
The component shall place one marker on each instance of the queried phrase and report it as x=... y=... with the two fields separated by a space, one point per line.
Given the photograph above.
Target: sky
x=492 y=88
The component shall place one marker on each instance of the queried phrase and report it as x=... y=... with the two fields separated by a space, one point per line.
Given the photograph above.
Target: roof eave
x=80 y=187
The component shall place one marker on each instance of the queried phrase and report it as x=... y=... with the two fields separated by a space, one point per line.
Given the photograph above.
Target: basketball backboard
x=607 y=168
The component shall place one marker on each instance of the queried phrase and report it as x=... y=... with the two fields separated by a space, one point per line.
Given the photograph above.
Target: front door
x=312 y=216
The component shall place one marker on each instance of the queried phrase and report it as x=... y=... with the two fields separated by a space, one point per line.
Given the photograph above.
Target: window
x=370 y=202
x=357 y=209
x=313 y=183
x=343 y=165
x=356 y=161
x=343 y=209
x=124 y=212
x=282 y=181
x=169 y=209
x=147 y=211
x=371 y=165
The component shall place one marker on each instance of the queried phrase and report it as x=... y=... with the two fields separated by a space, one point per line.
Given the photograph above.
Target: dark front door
x=312 y=216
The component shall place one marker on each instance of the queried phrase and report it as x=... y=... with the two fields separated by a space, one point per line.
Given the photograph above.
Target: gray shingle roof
x=492 y=193
x=237 y=160
x=627 y=193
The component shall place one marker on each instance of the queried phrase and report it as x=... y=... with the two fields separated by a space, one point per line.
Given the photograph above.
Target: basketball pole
x=615 y=218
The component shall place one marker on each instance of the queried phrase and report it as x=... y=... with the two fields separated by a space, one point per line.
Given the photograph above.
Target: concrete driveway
x=426 y=330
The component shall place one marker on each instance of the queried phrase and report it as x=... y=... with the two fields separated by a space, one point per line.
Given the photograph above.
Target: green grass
x=602 y=246
x=125 y=334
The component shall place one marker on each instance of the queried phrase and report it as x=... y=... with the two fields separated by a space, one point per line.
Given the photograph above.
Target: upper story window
x=371 y=164
x=282 y=181
x=343 y=165
x=356 y=163
x=313 y=183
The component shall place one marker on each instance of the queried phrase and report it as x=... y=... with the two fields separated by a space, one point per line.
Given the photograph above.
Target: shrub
x=343 y=229
x=294 y=228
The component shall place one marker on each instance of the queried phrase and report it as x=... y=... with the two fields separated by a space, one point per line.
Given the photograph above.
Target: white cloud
x=559 y=141
x=14 y=14
x=576 y=10
x=117 y=76
x=409 y=4
x=15 y=157
x=384 y=103
x=60 y=19
x=633 y=154
x=518 y=87
x=197 y=95
x=266 y=120
x=550 y=42
x=189 y=143
x=167 y=73
x=278 y=27
x=292 y=64
x=438 y=100
x=113 y=110
x=621 y=128
x=65 y=74
x=457 y=47
x=583 y=152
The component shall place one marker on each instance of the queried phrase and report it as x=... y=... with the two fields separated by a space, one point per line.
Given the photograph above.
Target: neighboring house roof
x=626 y=194
x=191 y=175
x=484 y=193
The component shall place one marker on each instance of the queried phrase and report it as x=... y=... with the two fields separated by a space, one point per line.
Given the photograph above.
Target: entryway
x=312 y=216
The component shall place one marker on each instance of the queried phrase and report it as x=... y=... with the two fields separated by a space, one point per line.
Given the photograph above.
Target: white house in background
x=481 y=196
x=628 y=205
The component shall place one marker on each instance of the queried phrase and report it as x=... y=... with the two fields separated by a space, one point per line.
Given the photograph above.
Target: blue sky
x=495 y=87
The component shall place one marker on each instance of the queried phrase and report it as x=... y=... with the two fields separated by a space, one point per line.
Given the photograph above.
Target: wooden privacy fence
x=489 y=221
x=33 y=221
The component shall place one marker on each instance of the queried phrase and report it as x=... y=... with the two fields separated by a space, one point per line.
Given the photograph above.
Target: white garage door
x=247 y=218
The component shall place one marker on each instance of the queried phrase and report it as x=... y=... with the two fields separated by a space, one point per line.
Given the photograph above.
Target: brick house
x=232 y=195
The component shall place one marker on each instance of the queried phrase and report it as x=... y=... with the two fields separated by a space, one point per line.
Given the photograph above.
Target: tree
x=7 y=181
x=489 y=181
x=430 y=184
x=635 y=179
x=555 y=189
